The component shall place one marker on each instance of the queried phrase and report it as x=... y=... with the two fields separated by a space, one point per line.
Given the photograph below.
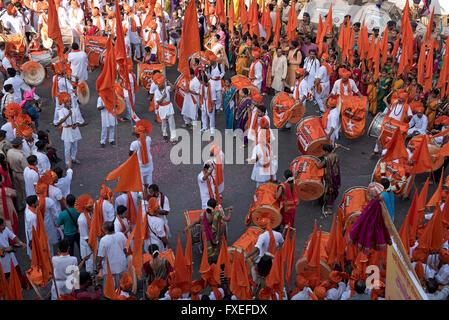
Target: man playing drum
x=345 y=86
x=289 y=199
x=331 y=120
x=418 y=123
x=300 y=89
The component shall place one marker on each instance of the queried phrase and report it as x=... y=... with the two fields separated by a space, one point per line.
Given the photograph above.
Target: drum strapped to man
x=180 y=84
x=246 y=244
x=145 y=73
x=434 y=151
x=395 y=172
x=265 y=205
x=195 y=231
x=33 y=73
x=311 y=136
x=351 y=205
x=302 y=265
x=170 y=53
x=383 y=128
x=95 y=48
x=201 y=55
x=42 y=56
x=308 y=177
x=83 y=92
x=286 y=109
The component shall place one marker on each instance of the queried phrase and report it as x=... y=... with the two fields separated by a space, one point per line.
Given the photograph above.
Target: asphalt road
x=179 y=182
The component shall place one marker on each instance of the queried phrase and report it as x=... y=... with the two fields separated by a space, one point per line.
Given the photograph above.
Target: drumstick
x=343 y=147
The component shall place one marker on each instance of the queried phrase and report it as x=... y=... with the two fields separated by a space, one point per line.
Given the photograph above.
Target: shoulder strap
x=71 y=218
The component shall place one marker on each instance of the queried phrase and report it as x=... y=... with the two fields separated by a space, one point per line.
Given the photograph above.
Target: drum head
x=310 y=189
x=325 y=270
x=267 y=211
x=316 y=147
x=297 y=112
x=93 y=59
x=376 y=125
x=33 y=73
x=83 y=93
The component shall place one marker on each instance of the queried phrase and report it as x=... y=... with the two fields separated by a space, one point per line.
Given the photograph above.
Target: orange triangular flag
x=137 y=257
x=239 y=283
x=266 y=21
x=376 y=61
x=190 y=39
x=129 y=175
x=4 y=287
x=421 y=64
x=223 y=258
x=188 y=255
x=341 y=244
x=429 y=68
x=406 y=12
x=95 y=228
x=396 y=147
x=291 y=258
x=444 y=72
x=274 y=279
x=277 y=27
x=231 y=17
x=328 y=22
x=395 y=50
x=363 y=42
x=411 y=221
x=109 y=288
x=429 y=26
x=432 y=235
x=105 y=83
x=320 y=32
x=54 y=31
x=436 y=197
x=205 y=266
x=422 y=200
x=243 y=16
x=404 y=235
x=421 y=157
x=14 y=286
x=331 y=245
x=253 y=19
x=292 y=23
x=40 y=258
x=182 y=275
x=220 y=11
x=315 y=260
x=384 y=46
x=444 y=151
x=446 y=212
x=311 y=245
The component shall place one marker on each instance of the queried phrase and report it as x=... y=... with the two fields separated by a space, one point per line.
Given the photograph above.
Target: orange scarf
x=96 y=21
x=54 y=88
x=143 y=149
x=33 y=168
x=88 y=219
x=122 y=224
x=342 y=90
x=209 y=187
x=328 y=67
x=297 y=88
x=157 y=40
x=209 y=97
x=131 y=208
x=133 y=23
x=325 y=117
x=404 y=109
x=252 y=70
x=219 y=171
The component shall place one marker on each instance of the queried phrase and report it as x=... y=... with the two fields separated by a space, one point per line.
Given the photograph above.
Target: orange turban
x=320 y=292
x=24 y=131
x=300 y=71
x=265 y=293
x=126 y=282
x=336 y=276
x=23 y=119
x=158 y=79
x=105 y=192
x=153 y=24
x=415 y=105
x=264 y=123
x=63 y=97
x=443 y=120
x=84 y=201
x=175 y=293
x=345 y=74
x=257 y=98
x=403 y=96
x=41 y=188
x=153 y=206
x=13 y=109
x=197 y=286
x=325 y=56
x=153 y=292
x=255 y=53
x=11 y=10
x=332 y=101
x=444 y=256
x=143 y=126
x=212 y=10
x=301 y=282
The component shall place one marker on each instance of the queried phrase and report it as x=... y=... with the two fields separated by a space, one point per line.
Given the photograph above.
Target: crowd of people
x=264 y=42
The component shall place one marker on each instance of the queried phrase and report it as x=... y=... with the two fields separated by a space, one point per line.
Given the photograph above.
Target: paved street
x=179 y=182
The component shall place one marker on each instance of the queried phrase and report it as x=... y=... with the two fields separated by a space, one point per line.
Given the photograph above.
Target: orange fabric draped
x=384 y=46
x=277 y=27
x=421 y=157
x=243 y=16
x=429 y=68
x=292 y=23
x=231 y=17
x=435 y=200
x=444 y=72
x=220 y=11
x=129 y=175
x=421 y=64
x=396 y=147
x=106 y=80
x=54 y=32
x=266 y=20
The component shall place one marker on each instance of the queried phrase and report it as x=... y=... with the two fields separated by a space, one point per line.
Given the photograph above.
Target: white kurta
x=216 y=71
x=348 y=90
x=19 y=85
x=190 y=104
x=156 y=231
x=133 y=35
x=333 y=121
x=312 y=67
x=260 y=173
x=204 y=190
x=146 y=170
x=30 y=176
x=111 y=247
x=397 y=111
x=107 y=118
x=5 y=236
x=108 y=211
x=64 y=183
x=263 y=242
x=76 y=20
x=302 y=90
x=68 y=133
x=10 y=132
x=43 y=163
x=30 y=222
x=167 y=110
x=258 y=73
x=78 y=64
x=165 y=206
x=56 y=195
x=279 y=72
x=28 y=148
x=118 y=227
x=418 y=124
x=63 y=267
x=84 y=237
x=254 y=117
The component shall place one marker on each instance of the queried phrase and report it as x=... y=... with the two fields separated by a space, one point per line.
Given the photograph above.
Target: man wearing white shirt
x=156 y=227
x=108 y=209
x=215 y=73
x=322 y=78
x=31 y=175
x=263 y=242
x=164 y=205
x=6 y=235
x=345 y=86
x=146 y=169
x=255 y=74
x=418 y=123
x=333 y=121
x=76 y=19
x=18 y=84
x=122 y=200
x=43 y=163
x=311 y=66
x=399 y=110
x=121 y=223
x=63 y=267
x=132 y=23
x=14 y=21
x=165 y=107
x=84 y=220
x=191 y=100
x=126 y=94
x=108 y=123
x=64 y=182
x=300 y=90
x=112 y=248
x=78 y=63
x=206 y=183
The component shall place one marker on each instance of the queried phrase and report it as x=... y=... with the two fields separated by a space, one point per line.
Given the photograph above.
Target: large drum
x=285 y=108
x=383 y=127
x=95 y=48
x=308 y=177
x=325 y=270
x=179 y=92
x=43 y=57
x=33 y=73
x=311 y=136
x=170 y=53
x=195 y=231
x=376 y=125
x=67 y=36
x=145 y=73
x=353 y=202
x=240 y=82
x=246 y=244
x=394 y=172
x=434 y=150
x=265 y=205
x=201 y=55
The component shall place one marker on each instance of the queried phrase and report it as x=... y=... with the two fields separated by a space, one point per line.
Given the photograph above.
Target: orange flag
x=331 y=245
x=291 y=258
x=266 y=21
x=182 y=276
x=384 y=46
x=350 y=45
x=253 y=19
x=429 y=68
x=395 y=50
x=120 y=48
x=342 y=39
x=432 y=235
x=220 y=11
x=106 y=80
x=446 y=212
x=315 y=259
x=363 y=42
x=407 y=43
x=4 y=288
x=444 y=72
x=188 y=255
x=190 y=39
x=15 y=287
x=205 y=266
x=137 y=257
x=277 y=27
x=274 y=279
x=223 y=258
x=406 y=12
x=231 y=16
x=311 y=244
x=319 y=32
x=422 y=200
x=40 y=259
x=436 y=199
x=54 y=32
x=376 y=61
x=421 y=157
x=396 y=148
x=410 y=223
x=206 y=10
x=239 y=282
x=243 y=16
x=109 y=289
x=429 y=26
x=328 y=22
x=95 y=228
x=421 y=64
x=40 y=230
x=292 y=23
x=371 y=52
x=129 y=175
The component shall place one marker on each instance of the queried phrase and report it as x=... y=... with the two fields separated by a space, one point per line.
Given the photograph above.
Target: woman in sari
x=372 y=93
x=156 y=267
x=243 y=112
x=217 y=48
x=266 y=69
x=332 y=179
x=212 y=227
x=433 y=100
x=412 y=90
x=230 y=95
x=383 y=88
x=234 y=45
x=91 y=30
x=243 y=57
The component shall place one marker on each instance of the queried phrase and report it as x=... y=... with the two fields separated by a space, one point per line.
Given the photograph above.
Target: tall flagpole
x=163 y=39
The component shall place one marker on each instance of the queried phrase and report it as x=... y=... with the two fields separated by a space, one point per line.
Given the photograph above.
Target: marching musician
x=78 y=63
x=322 y=79
x=418 y=123
x=345 y=86
x=165 y=107
x=311 y=66
x=191 y=99
x=331 y=120
x=300 y=89
x=255 y=70
x=399 y=110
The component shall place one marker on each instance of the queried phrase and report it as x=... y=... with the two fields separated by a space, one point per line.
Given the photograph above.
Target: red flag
x=129 y=175
x=190 y=39
x=106 y=80
x=220 y=11
x=292 y=23
x=277 y=27
x=54 y=32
